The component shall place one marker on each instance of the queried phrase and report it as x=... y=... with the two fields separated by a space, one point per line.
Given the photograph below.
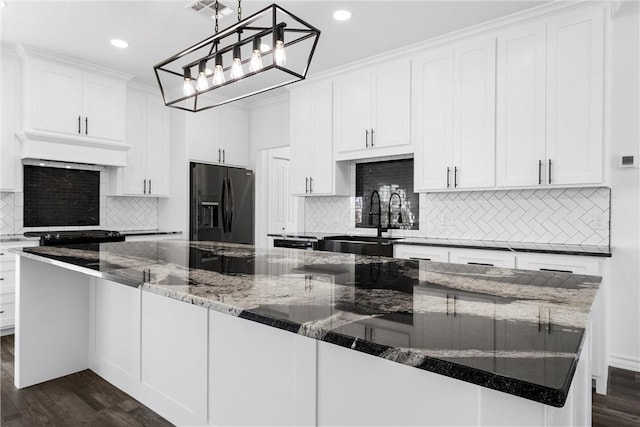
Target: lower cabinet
x=425 y=253
x=501 y=259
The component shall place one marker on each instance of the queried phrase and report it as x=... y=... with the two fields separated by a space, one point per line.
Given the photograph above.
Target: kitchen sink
x=362 y=245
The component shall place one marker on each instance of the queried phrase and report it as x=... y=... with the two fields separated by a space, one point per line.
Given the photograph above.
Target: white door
x=133 y=175
x=351 y=112
x=102 y=103
x=575 y=98
x=320 y=153
x=474 y=114
x=279 y=194
x=520 y=121
x=391 y=104
x=157 y=146
x=57 y=98
x=432 y=119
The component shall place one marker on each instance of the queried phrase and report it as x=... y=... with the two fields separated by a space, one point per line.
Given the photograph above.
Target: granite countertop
x=531 y=247
x=515 y=331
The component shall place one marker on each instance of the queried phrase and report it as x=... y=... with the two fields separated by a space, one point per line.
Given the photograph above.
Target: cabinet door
x=321 y=150
x=232 y=135
x=575 y=98
x=157 y=146
x=10 y=123
x=474 y=114
x=56 y=98
x=301 y=139
x=102 y=103
x=133 y=175
x=391 y=104
x=559 y=263
x=351 y=112
x=432 y=119
x=201 y=136
x=520 y=130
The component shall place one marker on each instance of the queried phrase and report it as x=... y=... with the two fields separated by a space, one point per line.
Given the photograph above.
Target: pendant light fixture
x=259 y=59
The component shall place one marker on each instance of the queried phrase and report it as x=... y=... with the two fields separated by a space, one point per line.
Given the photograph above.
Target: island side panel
x=52 y=322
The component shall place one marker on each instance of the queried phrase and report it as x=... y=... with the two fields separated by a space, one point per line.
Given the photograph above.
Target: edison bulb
x=218 y=76
x=188 y=89
x=202 y=81
x=256 y=61
x=236 y=69
x=280 y=54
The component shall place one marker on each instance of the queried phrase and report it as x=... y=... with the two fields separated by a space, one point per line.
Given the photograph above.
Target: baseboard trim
x=624 y=362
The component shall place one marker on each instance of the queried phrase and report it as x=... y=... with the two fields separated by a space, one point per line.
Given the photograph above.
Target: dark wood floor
x=78 y=399
x=86 y=399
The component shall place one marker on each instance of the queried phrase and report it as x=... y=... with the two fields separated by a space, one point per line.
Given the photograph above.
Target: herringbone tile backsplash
x=556 y=215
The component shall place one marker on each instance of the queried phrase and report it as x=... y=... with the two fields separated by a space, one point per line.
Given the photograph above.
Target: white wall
x=268 y=127
x=624 y=302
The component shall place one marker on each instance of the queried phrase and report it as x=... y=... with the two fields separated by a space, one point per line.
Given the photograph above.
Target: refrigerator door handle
x=224 y=205
x=231 y=203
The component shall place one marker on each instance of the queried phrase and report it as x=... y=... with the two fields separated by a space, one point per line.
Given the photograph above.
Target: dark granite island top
x=516 y=331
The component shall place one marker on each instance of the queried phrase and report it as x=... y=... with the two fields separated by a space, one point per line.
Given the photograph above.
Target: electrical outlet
x=599 y=222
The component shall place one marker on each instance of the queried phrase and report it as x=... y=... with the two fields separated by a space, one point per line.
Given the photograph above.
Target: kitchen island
x=222 y=334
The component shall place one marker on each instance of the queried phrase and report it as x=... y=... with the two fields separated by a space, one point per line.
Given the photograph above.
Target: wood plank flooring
x=86 y=399
x=78 y=399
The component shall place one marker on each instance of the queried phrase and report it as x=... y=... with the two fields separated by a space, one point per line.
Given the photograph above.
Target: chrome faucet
x=379 y=214
x=389 y=211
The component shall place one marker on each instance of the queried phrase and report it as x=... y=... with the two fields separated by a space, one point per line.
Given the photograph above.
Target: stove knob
x=47 y=237
x=57 y=235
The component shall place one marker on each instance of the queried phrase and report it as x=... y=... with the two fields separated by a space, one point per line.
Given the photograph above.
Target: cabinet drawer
x=6 y=256
x=483 y=257
x=7 y=282
x=426 y=253
x=7 y=309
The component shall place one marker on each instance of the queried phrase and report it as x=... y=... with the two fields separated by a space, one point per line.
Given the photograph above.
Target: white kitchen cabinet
x=503 y=259
x=371 y=111
x=8 y=284
x=65 y=98
x=453 y=116
x=147 y=170
x=575 y=67
x=174 y=358
x=313 y=170
x=599 y=327
x=521 y=109
x=550 y=102
x=114 y=332
x=11 y=79
x=419 y=252
x=219 y=135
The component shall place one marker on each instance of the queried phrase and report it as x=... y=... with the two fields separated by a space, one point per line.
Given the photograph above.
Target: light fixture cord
x=239 y=10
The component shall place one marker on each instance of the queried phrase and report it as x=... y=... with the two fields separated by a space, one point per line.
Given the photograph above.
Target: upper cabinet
x=219 y=135
x=313 y=170
x=147 y=170
x=453 y=116
x=65 y=99
x=550 y=102
x=372 y=111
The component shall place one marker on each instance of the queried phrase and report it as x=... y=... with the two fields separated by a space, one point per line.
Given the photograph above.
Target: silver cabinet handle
x=79 y=125
x=1 y=253
x=219 y=155
x=310 y=184
x=549 y=171
x=86 y=125
x=145 y=186
x=149 y=186
x=371 y=138
x=455 y=177
x=223 y=156
x=306 y=184
x=366 y=138
x=448 y=176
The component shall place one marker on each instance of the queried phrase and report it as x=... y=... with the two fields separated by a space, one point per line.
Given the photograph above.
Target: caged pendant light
x=267 y=50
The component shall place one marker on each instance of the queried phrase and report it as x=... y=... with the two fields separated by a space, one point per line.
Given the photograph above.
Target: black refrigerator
x=222 y=203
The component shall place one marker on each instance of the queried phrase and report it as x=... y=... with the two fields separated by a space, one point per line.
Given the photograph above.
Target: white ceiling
x=159 y=29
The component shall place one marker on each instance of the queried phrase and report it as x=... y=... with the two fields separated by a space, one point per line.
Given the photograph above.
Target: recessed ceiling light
x=341 y=15
x=119 y=43
x=3 y=3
